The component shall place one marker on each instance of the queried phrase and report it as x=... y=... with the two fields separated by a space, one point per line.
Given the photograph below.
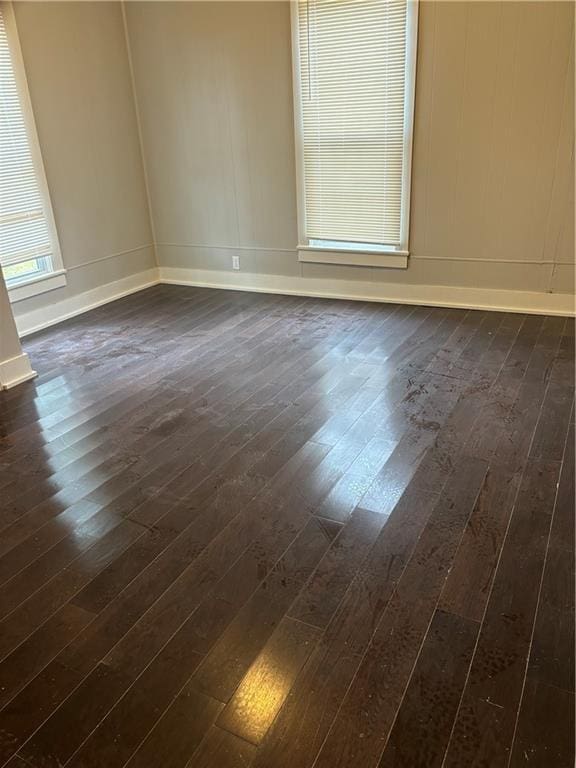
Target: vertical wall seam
x=428 y=154
x=498 y=76
x=139 y=130
x=557 y=160
x=459 y=138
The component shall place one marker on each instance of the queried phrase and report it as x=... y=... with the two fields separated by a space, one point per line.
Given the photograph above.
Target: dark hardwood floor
x=281 y=532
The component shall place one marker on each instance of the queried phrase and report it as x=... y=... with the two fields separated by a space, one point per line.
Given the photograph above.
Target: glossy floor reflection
x=282 y=532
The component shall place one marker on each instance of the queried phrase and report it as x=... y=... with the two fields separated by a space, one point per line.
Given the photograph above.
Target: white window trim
x=386 y=256
x=57 y=277
x=36 y=285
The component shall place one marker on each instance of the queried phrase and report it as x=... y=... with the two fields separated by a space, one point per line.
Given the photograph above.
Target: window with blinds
x=28 y=245
x=354 y=63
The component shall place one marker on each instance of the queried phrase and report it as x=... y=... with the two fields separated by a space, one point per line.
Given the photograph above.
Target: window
x=29 y=252
x=354 y=72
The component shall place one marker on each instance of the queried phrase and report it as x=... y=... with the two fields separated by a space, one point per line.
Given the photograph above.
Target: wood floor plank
x=507 y=626
x=82 y=706
x=44 y=604
x=468 y=584
x=548 y=442
x=117 y=737
x=255 y=703
x=245 y=529
x=57 y=740
x=319 y=599
x=31 y=656
x=458 y=427
x=305 y=719
x=205 y=355
x=545 y=734
x=499 y=664
x=225 y=665
x=233 y=475
x=370 y=704
x=551 y=652
x=223 y=749
x=33 y=705
x=190 y=562
x=17 y=762
x=179 y=732
x=424 y=720
x=470 y=579
x=19 y=529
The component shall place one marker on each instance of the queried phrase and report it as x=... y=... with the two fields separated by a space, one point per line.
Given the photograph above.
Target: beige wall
x=14 y=364
x=76 y=63
x=9 y=341
x=492 y=202
x=215 y=97
x=493 y=170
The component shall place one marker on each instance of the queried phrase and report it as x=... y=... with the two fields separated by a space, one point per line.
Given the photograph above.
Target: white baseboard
x=30 y=322
x=423 y=295
x=15 y=371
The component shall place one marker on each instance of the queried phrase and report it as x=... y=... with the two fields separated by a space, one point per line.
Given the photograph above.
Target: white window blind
x=27 y=244
x=355 y=61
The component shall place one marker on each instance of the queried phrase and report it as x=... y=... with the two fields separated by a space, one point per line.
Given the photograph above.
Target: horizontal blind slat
x=352 y=85
x=24 y=231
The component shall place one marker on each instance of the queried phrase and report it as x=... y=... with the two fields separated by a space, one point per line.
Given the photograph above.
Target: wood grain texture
x=257 y=700
x=248 y=530
x=424 y=720
x=545 y=732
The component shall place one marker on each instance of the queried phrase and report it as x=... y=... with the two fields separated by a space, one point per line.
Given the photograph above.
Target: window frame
x=56 y=278
x=326 y=252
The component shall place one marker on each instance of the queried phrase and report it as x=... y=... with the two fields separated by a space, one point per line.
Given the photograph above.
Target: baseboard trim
x=423 y=295
x=38 y=319
x=15 y=371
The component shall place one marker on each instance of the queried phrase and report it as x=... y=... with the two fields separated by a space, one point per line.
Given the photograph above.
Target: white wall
x=492 y=203
x=78 y=74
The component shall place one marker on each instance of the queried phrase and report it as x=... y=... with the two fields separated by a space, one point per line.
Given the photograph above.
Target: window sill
x=391 y=259
x=37 y=285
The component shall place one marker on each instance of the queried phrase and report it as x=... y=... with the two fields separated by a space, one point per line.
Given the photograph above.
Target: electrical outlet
x=235 y=262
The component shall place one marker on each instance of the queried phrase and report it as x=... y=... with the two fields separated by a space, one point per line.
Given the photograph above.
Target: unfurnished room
x=287 y=311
